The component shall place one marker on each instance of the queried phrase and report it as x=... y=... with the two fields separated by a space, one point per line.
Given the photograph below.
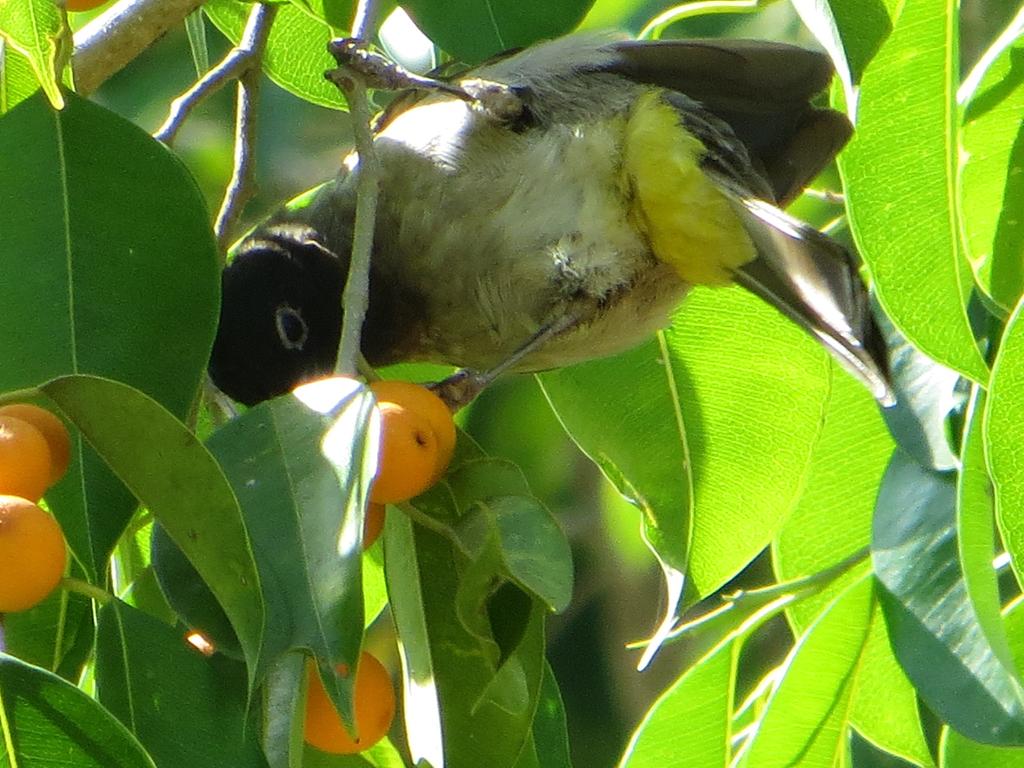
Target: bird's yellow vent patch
x=688 y=221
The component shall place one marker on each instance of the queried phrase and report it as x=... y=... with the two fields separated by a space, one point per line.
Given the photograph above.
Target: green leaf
x=900 y=176
x=177 y=479
x=926 y=394
x=960 y=752
x=284 y=711
x=17 y=82
x=492 y=26
x=976 y=531
x=487 y=704
x=934 y=628
x=991 y=191
x=405 y=585
x=832 y=521
x=196 y=31
x=533 y=550
x=149 y=678
x=49 y=634
x=1004 y=413
x=133 y=298
x=335 y=13
x=734 y=396
x=550 y=736
x=45 y=721
x=851 y=31
x=38 y=31
x=805 y=715
x=693 y=717
x=296 y=55
x=300 y=472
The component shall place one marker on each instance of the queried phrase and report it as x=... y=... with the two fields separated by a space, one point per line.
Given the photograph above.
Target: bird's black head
x=280 y=315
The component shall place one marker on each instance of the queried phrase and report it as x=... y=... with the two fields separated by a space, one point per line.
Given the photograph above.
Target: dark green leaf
x=488 y=27
x=926 y=394
x=934 y=628
x=177 y=479
x=150 y=678
x=533 y=550
x=283 y=711
x=48 y=634
x=487 y=707
x=301 y=477
x=45 y=721
x=550 y=736
x=132 y=297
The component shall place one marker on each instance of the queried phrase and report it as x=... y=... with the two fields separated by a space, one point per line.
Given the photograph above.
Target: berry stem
x=91 y=591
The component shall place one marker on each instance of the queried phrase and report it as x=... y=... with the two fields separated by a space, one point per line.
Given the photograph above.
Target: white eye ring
x=285 y=319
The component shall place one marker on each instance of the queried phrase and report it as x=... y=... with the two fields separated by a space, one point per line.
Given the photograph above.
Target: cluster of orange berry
x=416 y=446
x=35 y=450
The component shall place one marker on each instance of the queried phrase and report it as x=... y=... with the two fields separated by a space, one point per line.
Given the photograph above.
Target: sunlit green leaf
x=17 y=82
x=806 y=713
x=1003 y=416
x=900 y=176
x=296 y=55
x=992 y=177
x=36 y=29
x=702 y=699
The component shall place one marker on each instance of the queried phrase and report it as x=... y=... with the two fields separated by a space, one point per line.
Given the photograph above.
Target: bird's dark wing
x=762 y=90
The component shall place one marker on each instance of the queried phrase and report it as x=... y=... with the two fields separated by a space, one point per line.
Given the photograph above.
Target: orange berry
x=53 y=429
x=373 y=523
x=407 y=463
x=83 y=5
x=24 y=459
x=374 y=705
x=32 y=554
x=420 y=399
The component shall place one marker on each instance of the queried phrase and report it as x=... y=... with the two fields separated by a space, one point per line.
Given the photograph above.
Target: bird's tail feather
x=814 y=281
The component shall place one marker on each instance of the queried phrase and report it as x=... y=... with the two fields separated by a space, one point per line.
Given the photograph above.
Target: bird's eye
x=291 y=328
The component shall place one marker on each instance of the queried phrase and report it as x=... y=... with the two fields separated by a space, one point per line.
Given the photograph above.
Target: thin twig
x=110 y=41
x=242 y=185
x=229 y=68
x=355 y=298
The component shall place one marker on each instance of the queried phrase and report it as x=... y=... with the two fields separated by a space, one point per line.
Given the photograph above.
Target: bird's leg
x=462 y=387
x=497 y=101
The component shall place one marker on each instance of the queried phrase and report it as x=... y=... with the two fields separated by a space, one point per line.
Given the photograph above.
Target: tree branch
x=109 y=42
x=243 y=63
x=355 y=299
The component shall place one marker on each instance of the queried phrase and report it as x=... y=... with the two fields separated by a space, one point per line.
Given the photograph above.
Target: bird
x=565 y=224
